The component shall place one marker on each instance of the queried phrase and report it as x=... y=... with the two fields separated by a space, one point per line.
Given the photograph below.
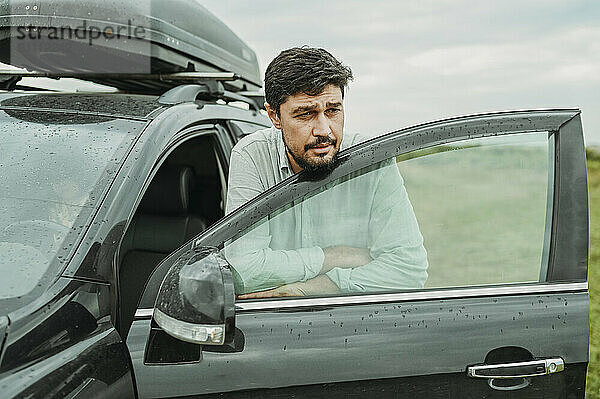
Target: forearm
x=403 y=268
x=344 y=257
x=261 y=268
x=319 y=285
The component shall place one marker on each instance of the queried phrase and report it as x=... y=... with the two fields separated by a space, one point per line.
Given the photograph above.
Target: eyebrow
x=311 y=107
x=304 y=108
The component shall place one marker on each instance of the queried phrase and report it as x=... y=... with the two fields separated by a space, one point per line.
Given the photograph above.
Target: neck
x=295 y=167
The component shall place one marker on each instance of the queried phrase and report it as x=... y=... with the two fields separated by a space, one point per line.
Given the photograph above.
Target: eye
x=304 y=114
x=333 y=110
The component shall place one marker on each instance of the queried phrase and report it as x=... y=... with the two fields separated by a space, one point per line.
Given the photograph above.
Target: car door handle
x=517 y=370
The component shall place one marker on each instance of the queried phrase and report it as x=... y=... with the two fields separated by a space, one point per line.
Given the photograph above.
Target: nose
x=321 y=126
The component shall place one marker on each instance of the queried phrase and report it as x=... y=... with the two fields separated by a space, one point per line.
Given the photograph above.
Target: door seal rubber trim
x=269 y=304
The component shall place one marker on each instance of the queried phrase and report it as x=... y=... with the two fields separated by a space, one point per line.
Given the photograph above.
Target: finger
x=248 y=296
x=260 y=294
x=285 y=294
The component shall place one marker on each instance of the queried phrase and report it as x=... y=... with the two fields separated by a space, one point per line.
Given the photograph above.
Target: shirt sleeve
x=258 y=267
x=394 y=240
x=244 y=181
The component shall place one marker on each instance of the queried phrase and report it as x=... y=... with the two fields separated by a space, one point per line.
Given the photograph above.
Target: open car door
x=503 y=310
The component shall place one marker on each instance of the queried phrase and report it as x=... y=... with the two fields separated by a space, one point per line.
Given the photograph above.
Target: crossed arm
x=338 y=256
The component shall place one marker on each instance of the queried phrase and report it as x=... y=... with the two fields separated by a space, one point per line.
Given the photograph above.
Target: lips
x=322 y=148
x=322 y=144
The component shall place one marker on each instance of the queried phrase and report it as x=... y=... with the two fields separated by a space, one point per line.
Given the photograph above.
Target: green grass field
x=482 y=212
x=593 y=377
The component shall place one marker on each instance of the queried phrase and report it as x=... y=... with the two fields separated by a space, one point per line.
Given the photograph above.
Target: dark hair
x=303 y=70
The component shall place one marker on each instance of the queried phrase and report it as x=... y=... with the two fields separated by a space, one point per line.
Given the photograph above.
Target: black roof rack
x=9 y=78
x=175 y=76
x=207 y=85
x=208 y=90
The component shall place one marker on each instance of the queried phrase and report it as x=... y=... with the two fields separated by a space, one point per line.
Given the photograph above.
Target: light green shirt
x=367 y=209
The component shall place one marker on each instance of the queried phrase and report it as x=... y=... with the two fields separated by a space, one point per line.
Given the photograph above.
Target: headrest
x=162 y=234
x=169 y=192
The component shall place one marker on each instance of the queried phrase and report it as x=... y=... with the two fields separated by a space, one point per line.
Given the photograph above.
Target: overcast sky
x=416 y=61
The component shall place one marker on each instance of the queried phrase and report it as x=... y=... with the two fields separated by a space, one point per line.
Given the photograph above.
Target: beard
x=316 y=167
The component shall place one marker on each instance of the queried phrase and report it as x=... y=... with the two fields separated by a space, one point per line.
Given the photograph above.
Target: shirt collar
x=284 y=162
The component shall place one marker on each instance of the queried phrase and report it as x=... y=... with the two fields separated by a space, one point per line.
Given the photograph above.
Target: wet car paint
x=66 y=345
x=51 y=345
x=334 y=345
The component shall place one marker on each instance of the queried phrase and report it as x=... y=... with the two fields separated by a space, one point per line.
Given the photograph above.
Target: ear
x=273 y=116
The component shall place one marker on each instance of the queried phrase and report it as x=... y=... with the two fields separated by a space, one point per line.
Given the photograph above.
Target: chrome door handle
x=517 y=370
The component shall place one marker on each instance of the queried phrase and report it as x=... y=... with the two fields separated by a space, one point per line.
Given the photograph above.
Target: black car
x=115 y=276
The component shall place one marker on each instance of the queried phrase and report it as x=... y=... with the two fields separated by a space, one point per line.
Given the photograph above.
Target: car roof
x=120 y=105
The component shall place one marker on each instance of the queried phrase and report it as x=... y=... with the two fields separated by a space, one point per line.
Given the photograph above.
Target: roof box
x=112 y=36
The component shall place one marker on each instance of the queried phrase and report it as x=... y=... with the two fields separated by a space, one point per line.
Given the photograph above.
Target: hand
x=294 y=289
x=345 y=257
x=320 y=285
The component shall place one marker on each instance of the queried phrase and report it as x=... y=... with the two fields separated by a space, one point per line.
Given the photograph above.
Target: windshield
x=51 y=167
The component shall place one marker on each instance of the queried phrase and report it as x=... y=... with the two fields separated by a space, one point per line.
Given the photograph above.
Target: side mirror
x=196 y=300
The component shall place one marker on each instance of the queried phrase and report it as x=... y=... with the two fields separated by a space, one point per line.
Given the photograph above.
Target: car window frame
x=233 y=126
x=181 y=137
x=206 y=128
x=564 y=125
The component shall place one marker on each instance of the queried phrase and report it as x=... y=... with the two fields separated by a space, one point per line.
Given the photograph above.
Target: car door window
x=483 y=207
x=471 y=213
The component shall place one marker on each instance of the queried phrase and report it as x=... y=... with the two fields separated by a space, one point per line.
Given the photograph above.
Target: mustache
x=319 y=141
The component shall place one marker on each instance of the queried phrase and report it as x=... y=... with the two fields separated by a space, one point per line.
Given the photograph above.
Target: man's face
x=312 y=128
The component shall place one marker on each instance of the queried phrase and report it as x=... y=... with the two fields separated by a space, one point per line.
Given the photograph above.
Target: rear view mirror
x=196 y=300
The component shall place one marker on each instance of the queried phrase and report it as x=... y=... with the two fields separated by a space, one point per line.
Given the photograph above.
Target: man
x=299 y=251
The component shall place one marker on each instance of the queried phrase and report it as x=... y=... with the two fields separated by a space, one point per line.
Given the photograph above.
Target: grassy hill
x=593 y=377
